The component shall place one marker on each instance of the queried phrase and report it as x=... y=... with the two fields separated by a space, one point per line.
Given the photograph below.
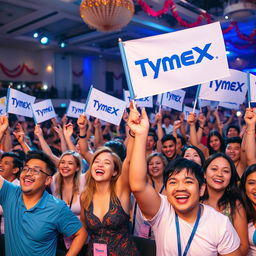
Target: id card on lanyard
x=191 y=236
x=100 y=249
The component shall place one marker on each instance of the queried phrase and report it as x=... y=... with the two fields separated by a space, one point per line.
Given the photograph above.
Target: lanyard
x=162 y=188
x=254 y=237
x=192 y=233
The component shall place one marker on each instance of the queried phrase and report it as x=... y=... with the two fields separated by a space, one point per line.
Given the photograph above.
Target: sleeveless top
x=113 y=231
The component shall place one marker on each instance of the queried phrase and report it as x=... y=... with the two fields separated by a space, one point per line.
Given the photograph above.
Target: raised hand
x=68 y=130
x=191 y=118
x=201 y=119
x=250 y=117
x=19 y=133
x=158 y=117
x=58 y=129
x=177 y=125
x=4 y=123
x=82 y=122
x=139 y=124
x=97 y=123
x=38 y=131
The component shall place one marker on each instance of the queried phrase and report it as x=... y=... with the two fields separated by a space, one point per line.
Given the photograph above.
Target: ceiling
x=60 y=21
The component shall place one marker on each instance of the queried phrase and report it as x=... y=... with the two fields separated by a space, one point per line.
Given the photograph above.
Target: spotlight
x=62 y=44
x=44 y=40
x=226 y=17
x=228 y=52
x=35 y=35
x=45 y=87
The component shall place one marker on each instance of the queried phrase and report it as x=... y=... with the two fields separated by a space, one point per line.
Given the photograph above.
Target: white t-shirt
x=141 y=227
x=251 y=230
x=15 y=182
x=215 y=234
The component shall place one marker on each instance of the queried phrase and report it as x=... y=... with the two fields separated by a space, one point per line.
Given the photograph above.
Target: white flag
x=43 y=111
x=253 y=87
x=188 y=110
x=75 y=109
x=19 y=103
x=173 y=99
x=229 y=105
x=2 y=106
x=104 y=106
x=176 y=60
x=211 y=103
x=146 y=102
x=229 y=89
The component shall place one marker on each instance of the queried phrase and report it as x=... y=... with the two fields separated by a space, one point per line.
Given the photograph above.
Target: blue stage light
x=35 y=35
x=44 y=40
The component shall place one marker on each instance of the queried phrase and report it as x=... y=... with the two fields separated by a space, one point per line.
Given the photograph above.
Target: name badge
x=144 y=230
x=99 y=249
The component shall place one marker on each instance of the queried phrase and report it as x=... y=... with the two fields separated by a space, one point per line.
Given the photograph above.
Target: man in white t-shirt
x=182 y=226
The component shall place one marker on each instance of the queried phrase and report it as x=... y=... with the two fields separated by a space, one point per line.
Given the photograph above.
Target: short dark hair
x=117 y=147
x=153 y=134
x=182 y=139
x=179 y=164
x=43 y=157
x=233 y=140
x=232 y=126
x=17 y=162
x=168 y=137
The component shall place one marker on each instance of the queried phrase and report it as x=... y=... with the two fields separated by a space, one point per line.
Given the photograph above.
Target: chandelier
x=107 y=15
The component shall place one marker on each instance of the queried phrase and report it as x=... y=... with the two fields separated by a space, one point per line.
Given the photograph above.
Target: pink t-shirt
x=215 y=234
x=251 y=230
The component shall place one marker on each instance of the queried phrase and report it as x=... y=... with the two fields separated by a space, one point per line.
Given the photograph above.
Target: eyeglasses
x=34 y=171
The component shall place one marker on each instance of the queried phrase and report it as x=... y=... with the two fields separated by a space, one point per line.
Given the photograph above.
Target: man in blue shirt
x=33 y=217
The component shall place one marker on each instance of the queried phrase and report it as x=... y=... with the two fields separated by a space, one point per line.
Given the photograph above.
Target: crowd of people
x=163 y=187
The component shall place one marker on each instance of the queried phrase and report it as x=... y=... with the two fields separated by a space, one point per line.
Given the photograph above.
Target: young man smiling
x=33 y=218
x=182 y=226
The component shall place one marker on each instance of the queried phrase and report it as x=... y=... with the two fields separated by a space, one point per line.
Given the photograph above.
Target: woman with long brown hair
x=105 y=205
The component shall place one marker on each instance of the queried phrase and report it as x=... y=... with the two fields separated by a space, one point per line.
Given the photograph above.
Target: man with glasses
x=33 y=217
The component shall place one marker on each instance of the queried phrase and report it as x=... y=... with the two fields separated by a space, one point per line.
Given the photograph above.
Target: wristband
x=82 y=136
x=201 y=127
x=131 y=134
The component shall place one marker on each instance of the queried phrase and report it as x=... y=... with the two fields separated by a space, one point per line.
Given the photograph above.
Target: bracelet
x=201 y=127
x=82 y=136
x=131 y=134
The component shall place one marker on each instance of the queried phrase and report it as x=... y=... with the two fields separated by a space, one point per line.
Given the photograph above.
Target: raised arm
x=84 y=135
x=98 y=135
x=193 y=135
x=20 y=136
x=58 y=129
x=44 y=145
x=250 y=145
x=218 y=122
x=68 y=130
x=148 y=199
x=160 y=131
x=4 y=123
x=202 y=120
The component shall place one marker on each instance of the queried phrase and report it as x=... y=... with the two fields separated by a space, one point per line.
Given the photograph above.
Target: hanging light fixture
x=107 y=15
